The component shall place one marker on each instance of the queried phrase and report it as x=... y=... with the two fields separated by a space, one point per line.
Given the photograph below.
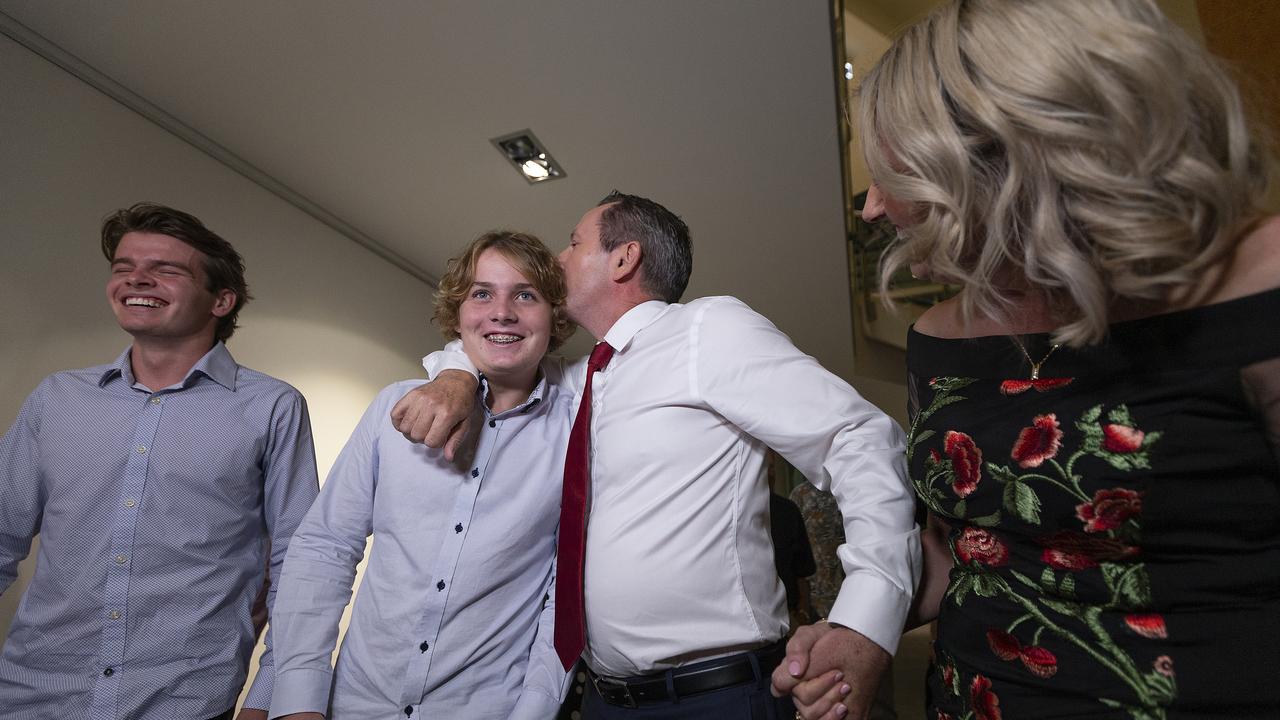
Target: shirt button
x=155 y=401
x=493 y=423
x=120 y=559
x=142 y=449
x=108 y=672
x=114 y=614
x=130 y=502
x=440 y=585
x=475 y=472
x=425 y=646
x=457 y=528
x=408 y=710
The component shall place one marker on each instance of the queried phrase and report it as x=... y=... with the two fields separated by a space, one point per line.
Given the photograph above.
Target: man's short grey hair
x=666 y=251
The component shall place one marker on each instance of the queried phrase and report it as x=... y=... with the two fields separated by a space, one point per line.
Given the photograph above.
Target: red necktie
x=571 y=629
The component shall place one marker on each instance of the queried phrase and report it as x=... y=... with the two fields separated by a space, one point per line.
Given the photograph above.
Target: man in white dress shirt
x=684 y=609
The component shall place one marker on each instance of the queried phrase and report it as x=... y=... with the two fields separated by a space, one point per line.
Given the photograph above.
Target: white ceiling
x=381 y=113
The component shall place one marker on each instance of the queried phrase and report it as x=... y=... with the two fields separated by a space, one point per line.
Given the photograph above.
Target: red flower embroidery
x=1017 y=387
x=1164 y=665
x=944 y=716
x=986 y=706
x=1041 y=662
x=1004 y=645
x=1121 y=438
x=1148 y=625
x=949 y=675
x=966 y=461
x=1068 y=550
x=1063 y=560
x=1109 y=509
x=980 y=546
x=1039 y=442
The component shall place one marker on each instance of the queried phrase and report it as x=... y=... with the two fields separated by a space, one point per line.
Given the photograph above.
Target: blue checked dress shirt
x=155 y=511
x=452 y=619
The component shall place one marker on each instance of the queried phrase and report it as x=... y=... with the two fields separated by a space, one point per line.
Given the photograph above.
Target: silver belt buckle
x=602 y=683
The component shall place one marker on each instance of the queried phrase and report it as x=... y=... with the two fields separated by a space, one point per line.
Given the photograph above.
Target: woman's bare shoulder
x=1253 y=267
x=1257 y=262
x=941 y=320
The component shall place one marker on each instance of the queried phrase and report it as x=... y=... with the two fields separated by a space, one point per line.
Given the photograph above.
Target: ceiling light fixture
x=528 y=156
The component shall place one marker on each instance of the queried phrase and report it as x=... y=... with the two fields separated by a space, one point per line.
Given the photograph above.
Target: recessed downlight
x=528 y=156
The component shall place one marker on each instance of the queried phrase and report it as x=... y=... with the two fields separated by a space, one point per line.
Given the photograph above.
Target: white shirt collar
x=632 y=322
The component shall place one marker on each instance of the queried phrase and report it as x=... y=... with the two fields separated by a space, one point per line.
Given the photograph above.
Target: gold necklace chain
x=1035 y=366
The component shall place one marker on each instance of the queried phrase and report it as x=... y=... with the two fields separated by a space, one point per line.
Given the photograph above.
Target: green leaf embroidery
x=1120 y=462
x=1091 y=415
x=1067 y=588
x=1022 y=501
x=1162 y=687
x=1129 y=584
x=1046 y=578
x=986 y=585
x=924 y=436
x=1120 y=416
x=1062 y=607
x=943 y=401
x=961 y=588
x=1111 y=573
x=987 y=520
x=1001 y=473
x=1023 y=579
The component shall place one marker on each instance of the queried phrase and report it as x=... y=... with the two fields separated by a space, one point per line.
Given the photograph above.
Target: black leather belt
x=689 y=680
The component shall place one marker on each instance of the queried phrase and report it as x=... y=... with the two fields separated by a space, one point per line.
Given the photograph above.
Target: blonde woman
x=1096 y=415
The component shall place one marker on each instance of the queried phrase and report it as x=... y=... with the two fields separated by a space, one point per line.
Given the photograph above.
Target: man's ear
x=624 y=261
x=223 y=302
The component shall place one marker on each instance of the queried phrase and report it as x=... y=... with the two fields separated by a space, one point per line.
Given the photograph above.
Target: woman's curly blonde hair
x=528 y=255
x=1092 y=148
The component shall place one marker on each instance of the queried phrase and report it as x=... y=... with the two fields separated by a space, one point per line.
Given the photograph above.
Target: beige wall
x=879 y=370
x=863 y=47
x=328 y=316
x=1243 y=32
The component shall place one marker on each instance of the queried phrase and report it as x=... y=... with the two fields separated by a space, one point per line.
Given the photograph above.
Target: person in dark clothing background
x=791 y=551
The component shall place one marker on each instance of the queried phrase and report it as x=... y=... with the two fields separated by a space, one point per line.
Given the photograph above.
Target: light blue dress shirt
x=453 y=618
x=155 y=511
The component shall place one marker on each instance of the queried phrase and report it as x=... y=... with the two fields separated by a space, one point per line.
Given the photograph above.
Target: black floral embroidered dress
x=1115 y=522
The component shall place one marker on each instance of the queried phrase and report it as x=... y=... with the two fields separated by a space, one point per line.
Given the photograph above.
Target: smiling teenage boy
x=453 y=618
x=158 y=485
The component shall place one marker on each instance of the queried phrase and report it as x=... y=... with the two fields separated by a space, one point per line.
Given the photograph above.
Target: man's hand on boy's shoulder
x=438 y=414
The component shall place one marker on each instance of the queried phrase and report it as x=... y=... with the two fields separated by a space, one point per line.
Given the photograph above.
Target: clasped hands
x=831 y=672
